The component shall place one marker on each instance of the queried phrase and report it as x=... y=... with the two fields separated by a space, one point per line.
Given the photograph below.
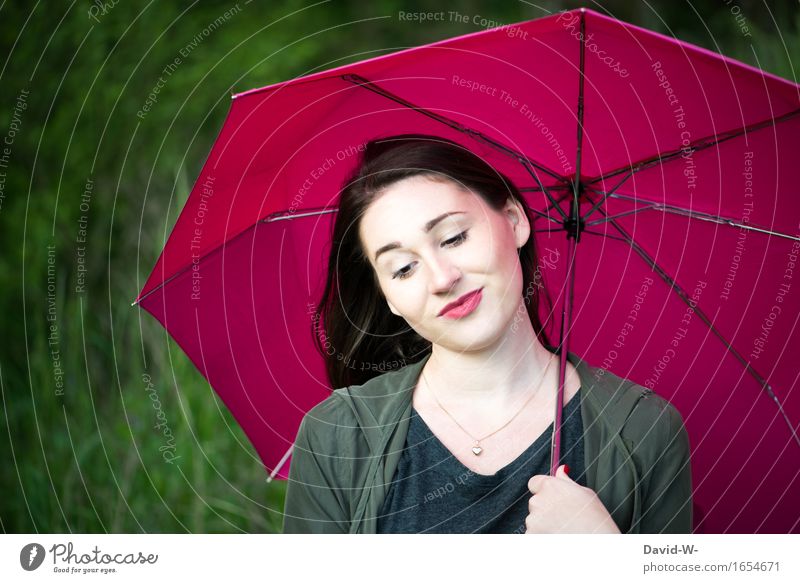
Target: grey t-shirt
x=433 y=492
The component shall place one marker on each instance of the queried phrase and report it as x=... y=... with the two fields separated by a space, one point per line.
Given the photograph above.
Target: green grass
x=90 y=462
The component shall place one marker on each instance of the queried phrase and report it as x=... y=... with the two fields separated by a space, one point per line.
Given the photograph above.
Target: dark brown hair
x=355 y=331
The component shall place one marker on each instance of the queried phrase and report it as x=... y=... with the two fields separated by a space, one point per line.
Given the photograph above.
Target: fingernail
x=566 y=469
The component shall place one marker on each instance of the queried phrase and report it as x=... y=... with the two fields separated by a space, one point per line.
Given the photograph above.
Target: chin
x=472 y=336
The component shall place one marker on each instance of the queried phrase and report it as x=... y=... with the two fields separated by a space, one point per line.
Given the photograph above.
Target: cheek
x=408 y=297
x=503 y=263
x=496 y=256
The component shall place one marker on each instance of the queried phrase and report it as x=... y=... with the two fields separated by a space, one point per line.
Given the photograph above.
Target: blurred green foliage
x=89 y=460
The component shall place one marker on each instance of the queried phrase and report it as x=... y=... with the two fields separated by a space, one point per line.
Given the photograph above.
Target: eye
x=457 y=240
x=405 y=271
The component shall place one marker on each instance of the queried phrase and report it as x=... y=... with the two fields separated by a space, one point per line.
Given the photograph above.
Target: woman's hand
x=561 y=505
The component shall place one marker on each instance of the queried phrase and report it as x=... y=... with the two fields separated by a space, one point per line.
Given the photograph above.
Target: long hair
x=355 y=331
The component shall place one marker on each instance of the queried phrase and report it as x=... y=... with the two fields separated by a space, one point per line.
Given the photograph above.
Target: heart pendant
x=477 y=450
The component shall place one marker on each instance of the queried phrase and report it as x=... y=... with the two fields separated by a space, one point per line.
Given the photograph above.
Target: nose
x=444 y=274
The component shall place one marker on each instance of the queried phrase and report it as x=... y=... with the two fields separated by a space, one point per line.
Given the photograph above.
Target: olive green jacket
x=348 y=447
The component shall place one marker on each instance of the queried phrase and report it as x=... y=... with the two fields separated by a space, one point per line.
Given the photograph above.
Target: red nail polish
x=566 y=469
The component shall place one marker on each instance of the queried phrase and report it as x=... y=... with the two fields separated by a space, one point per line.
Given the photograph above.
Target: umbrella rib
x=554 y=204
x=605 y=235
x=699 y=144
x=545 y=216
x=560 y=230
x=288 y=215
x=279 y=216
x=554 y=187
x=280 y=464
x=703 y=216
x=188 y=267
x=622 y=214
x=605 y=195
x=475 y=134
x=549 y=196
x=685 y=297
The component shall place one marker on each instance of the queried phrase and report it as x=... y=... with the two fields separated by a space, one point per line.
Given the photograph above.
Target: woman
x=433 y=272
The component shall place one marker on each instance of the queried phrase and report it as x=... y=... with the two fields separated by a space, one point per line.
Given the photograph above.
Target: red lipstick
x=463 y=306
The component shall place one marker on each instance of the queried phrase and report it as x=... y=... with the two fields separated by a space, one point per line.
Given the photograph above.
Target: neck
x=499 y=376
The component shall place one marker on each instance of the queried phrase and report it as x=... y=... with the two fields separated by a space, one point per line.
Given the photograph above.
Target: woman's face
x=444 y=242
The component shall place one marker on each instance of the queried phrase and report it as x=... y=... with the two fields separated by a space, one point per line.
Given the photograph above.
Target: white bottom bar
x=400 y=558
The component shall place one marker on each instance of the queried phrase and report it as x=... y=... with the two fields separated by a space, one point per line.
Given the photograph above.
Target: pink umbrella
x=661 y=177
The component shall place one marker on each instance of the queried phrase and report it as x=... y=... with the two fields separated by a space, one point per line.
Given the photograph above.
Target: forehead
x=403 y=208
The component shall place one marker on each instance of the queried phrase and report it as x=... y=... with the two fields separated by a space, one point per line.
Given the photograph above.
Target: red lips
x=459 y=301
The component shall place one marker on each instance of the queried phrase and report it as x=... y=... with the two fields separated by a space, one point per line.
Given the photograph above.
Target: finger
x=530 y=525
x=536 y=482
x=563 y=472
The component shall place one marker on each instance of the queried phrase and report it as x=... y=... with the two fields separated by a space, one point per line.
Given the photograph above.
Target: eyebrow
x=426 y=229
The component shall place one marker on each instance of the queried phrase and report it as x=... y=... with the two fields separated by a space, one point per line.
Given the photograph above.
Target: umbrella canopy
x=680 y=274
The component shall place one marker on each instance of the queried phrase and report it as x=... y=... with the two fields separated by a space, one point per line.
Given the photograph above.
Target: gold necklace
x=477 y=449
